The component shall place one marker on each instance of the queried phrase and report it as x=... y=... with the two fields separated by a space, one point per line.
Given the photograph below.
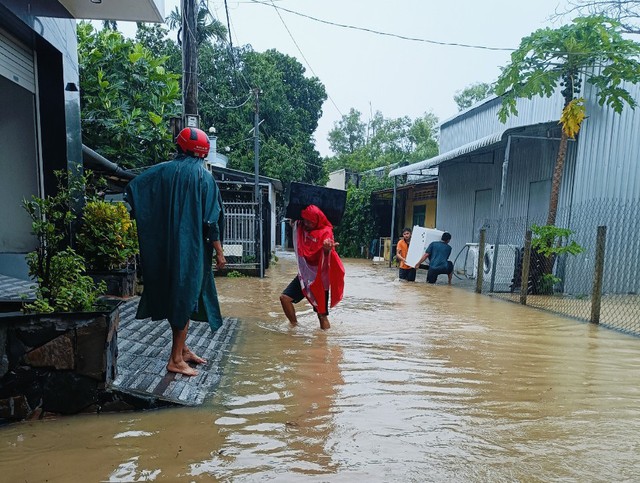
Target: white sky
x=377 y=73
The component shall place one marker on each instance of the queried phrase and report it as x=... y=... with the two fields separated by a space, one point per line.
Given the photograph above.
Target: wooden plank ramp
x=143 y=351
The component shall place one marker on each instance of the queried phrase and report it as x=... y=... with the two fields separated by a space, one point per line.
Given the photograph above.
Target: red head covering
x=310 y=242
x=310 y=247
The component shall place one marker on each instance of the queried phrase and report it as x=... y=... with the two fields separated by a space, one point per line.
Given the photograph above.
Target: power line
x=219 y=104
x=387 y=34
x=239 y=74
x=303 y=56
x=226 y=8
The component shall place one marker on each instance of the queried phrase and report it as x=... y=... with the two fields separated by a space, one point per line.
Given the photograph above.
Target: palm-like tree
x=591 y=48
x=207 y=26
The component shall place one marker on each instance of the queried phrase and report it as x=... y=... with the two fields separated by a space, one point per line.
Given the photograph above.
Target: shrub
x=108 y=238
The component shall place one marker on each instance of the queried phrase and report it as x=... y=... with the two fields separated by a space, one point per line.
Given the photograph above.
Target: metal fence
x=600 y=284
x=240 y=245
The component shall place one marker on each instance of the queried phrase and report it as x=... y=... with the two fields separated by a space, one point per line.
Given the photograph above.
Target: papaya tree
x=591 y=49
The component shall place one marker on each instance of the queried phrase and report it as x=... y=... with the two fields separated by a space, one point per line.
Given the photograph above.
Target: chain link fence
x=599 y=284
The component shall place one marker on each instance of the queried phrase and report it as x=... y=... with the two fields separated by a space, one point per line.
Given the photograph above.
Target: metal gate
x=240 y=245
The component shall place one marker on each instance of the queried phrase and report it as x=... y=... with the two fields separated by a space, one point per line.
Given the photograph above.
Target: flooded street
x=411 y=383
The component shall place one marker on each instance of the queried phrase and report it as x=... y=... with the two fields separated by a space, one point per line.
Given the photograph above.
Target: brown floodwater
x=411 y=383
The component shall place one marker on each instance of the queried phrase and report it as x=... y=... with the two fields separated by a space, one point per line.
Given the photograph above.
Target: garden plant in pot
x=59 y=353
x=108 y=241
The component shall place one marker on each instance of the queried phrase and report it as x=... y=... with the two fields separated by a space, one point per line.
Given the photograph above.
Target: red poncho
x=317 y=271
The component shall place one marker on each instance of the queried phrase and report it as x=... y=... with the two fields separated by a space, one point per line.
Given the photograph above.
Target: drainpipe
x=393 y=216
x=503 y=189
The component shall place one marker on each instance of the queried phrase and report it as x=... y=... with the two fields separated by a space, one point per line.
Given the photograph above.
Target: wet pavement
x=412 y=383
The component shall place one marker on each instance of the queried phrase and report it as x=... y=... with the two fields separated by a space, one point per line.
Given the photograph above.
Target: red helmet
x=194 y=141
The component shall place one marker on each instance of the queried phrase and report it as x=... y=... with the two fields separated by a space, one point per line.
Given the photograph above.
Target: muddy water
x=412 y=383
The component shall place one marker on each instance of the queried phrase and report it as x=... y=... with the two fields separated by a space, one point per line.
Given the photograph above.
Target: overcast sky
x=380 y=73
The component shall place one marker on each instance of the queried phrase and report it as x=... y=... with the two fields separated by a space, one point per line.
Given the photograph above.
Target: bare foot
x=324 y=322
x=189 y=356
x=181 y=368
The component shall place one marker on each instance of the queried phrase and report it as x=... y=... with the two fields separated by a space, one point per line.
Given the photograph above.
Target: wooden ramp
x=143 y=352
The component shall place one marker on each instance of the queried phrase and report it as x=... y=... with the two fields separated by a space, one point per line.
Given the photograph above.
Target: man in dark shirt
x=438 y=253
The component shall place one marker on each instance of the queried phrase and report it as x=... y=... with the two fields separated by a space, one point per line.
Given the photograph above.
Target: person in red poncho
x=320 y=271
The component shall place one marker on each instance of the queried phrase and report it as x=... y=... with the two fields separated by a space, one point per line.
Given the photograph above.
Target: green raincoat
x=178 y=210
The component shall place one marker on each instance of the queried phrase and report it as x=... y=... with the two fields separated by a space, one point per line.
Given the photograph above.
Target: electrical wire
x=201 y=88
x=239 y=74
x=378 y=32
x=303 y=56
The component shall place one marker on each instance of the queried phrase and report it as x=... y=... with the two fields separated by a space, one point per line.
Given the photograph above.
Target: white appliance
x=471 y=261
x=504 y=266
x=420 y=239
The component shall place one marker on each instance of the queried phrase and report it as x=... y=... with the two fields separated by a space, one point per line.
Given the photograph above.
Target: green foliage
x=154 y=38
x=358 y=226
x=58 y=270
x=69 y=289
x=472 y=94
x=547 y=241
x=592 y=47
x=382 y=142
x=290 y=106
x=127 y=97
x=348 y=134
x=235 y=274
x=107 y=238
x=547 y=282
x=207 y=26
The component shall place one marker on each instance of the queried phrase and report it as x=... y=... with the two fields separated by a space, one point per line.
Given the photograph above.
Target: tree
x=126 y=97
x=423 y=134
x=390 y=141
x=348 y=134
x=590 y=48
x=207 y=26
x=290 y=105
x=359 y=226
x=154 y=37
x=627 y=12
x=472 y=94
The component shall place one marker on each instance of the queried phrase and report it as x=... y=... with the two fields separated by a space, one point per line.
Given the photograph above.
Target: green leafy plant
x=546 y=246
x=592 y=48
x=235 y=274
x=69 y=289
x=58 y=270
x=107 y=238
x=548 y=241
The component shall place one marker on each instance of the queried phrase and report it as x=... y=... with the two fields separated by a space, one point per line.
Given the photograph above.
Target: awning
x=484 y=142
x=125 y=10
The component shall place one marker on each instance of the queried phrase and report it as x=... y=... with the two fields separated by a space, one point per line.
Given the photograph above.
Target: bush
x=108 y=238
x=58 y=270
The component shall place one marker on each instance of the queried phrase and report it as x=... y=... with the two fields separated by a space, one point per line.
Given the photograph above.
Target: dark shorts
x=294 y=290
x=408 y=274
x=432 y=274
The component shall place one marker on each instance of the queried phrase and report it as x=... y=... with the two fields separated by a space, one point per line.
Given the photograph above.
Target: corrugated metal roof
x=489 y=140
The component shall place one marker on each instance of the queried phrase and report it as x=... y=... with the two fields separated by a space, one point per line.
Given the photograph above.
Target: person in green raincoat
x=179 y=215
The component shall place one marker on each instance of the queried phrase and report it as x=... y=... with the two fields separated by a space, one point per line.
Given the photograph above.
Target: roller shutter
x=16 y=62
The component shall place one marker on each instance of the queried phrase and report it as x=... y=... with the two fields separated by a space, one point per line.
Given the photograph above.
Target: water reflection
x=280 y=412
x=412 y=383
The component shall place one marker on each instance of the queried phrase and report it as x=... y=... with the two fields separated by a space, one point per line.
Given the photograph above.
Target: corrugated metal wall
x=481 y=121
x=606 y=192
x=531 y=160
x=609 y=151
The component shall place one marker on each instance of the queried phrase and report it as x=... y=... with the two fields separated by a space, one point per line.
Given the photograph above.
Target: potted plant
x=108 y=241
x=59 y=353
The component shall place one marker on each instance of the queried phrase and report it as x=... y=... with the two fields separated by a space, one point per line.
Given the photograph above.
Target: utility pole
x=190 y=116
x=256 y=180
